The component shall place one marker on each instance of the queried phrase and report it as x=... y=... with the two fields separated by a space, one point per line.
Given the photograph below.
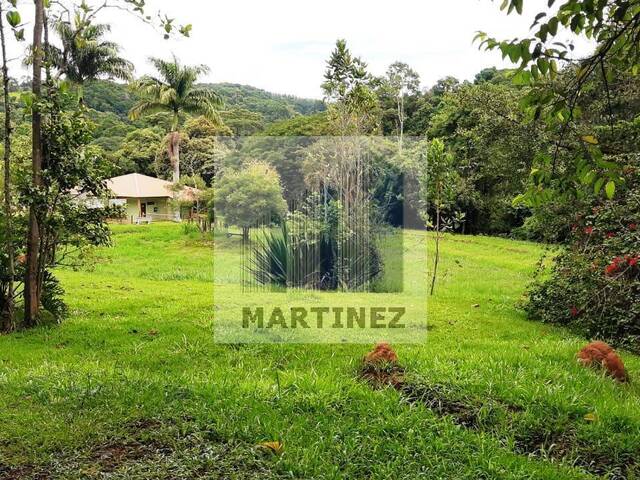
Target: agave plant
x=319 y=259
x=270 y=257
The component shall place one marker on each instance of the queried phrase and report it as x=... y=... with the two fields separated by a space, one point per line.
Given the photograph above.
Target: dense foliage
x=68 y=227
x=492 y=140
x=313 y=249
x=250 y=197
x=594 y=284
x=589 y=108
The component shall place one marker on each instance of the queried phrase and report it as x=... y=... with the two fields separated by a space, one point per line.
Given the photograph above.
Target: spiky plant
x=271 y=257
x=322 y=260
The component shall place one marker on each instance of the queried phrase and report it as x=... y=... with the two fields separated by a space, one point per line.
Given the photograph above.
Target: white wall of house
x=158 y=208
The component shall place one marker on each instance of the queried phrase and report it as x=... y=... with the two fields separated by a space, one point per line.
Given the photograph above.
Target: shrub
x=594 y=283
x=311 y=251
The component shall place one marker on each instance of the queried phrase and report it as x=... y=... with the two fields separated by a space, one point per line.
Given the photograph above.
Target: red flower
x=574 y=312
x=611 y=269
x=616 y=265
x=611 y=234
x=588 y=230
x=633 y=261
x=633 y=227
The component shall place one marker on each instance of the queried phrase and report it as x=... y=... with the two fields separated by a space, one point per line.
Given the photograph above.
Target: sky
x=282 y=45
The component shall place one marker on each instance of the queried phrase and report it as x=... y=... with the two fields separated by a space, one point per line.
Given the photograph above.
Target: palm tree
x=174 y=93
x=85 y=55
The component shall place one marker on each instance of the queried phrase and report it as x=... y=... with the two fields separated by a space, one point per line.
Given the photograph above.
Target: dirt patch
x=442 y=401
x=22 y=472
x=109 y=458
x=554 y=440
x=546 y=443
x=383 y=375
x=562 y=443
x=152 y=448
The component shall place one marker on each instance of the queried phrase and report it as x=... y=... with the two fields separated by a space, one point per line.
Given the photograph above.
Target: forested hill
x=106 y=96
x=272 y=106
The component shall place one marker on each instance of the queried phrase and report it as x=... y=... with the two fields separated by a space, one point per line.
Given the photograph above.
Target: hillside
x=272 y=106
x=111 y=97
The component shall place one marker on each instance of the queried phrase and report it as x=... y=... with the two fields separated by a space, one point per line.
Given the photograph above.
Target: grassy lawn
x=133 y=385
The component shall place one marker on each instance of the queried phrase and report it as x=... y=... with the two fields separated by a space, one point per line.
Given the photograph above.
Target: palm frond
x=173 y=88
x=145 y=107
x=85 y=55
x=205 y=96
x=168 y=70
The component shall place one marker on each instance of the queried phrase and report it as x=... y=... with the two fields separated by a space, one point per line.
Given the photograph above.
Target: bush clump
x=594 y=283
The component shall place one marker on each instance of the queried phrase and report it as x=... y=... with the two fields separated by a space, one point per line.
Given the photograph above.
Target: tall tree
x=249 y=196
x=7 y=320
x=31 y=283
x=401 y=81
x=174 y=93
x=85 y=54
x=39 y=252
x=353 y=105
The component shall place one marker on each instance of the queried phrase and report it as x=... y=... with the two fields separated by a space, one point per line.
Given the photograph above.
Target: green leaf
x=598 y=185
x=610 y=189
x=27 y=99
x=535 y=72
x=518 y=4
x=64 y=86
x=186 y=30
x=522 y=77
x=13 y=17
x=543 y=65
x=590 y=139
x=589 y=177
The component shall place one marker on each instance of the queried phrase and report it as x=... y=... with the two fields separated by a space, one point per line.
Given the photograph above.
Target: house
x=149 y=198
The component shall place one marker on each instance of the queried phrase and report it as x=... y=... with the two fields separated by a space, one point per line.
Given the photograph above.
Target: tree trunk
x=174 y=154
x=401 y=120
x=31 y=290
x=8 y=317
x=437 y=258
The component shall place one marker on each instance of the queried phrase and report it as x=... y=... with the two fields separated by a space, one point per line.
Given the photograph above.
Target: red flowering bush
x=594 y=283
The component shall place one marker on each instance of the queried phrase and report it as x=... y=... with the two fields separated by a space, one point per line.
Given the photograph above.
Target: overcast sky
x=282 y=45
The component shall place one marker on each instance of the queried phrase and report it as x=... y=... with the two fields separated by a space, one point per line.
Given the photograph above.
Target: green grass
x=133 y=385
